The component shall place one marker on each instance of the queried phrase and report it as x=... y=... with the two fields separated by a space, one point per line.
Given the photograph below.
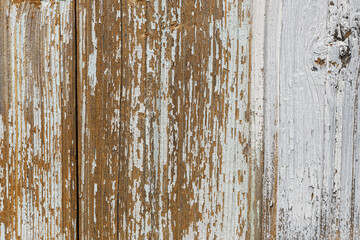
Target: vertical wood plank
x=203 y=77
x=133 y=172
x=257 y=121
x=69 y=122
x=311 y=119
x=185 y=164
x=342 y=90
x=37 y=120
x=272 y=32
x=301 y=98
x=214 y=127
x=99 y=94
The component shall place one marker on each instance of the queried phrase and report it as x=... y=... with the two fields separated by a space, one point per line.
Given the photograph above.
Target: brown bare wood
x=37 y=120
x=164 y=120
x=99 y=83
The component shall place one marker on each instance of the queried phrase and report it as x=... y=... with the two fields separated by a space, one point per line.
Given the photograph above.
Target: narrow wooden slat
x=300 y=121
x=342 y=90
x=257 y=121
x=133 y=175
x=68 y=114
x=272 y=32
x=212 y=167
x=154 y=214
x=99 y=89
x=37 y=120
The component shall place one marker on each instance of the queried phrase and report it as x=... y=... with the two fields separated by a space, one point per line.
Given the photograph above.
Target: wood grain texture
x=165 y=145
x=37 y=120
x=311 y=117
x=99 y=83
x=172 y=119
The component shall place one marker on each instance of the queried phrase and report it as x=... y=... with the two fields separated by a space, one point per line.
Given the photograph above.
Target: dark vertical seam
x=120 y=113
x=77 y=82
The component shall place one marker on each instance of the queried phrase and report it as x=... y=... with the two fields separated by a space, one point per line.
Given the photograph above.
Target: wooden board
x=311 y=178
x=165 y=120
x=99 y=84
x=37 y=120
x=172 y=119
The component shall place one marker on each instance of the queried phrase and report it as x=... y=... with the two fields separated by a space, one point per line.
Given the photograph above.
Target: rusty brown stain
x=320 y=61
x=35 y=2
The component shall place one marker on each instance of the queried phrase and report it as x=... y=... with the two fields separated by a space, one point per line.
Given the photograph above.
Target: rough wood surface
x=311 y=178
x=165 y=120
x=99 y=82
x=172 y=119
x=37 y=120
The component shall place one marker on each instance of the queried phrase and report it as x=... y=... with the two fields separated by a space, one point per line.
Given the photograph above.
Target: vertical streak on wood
x=99 y=81
x=68 y=115
x=37 y=195
x=271 y=115
x=172 y=89
x=233 y=83
x=257 y=118
x=133 y=171
x=334 y=91
x=3 y=116
x=164 y=72
x=154 y=214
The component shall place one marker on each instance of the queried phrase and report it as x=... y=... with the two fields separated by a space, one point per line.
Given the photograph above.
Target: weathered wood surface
x=37 y=120
x=311 y=164
x=165 y=120
x=171 y=119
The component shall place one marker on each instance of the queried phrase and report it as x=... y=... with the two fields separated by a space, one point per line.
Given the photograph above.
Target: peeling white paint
x=92 y=64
